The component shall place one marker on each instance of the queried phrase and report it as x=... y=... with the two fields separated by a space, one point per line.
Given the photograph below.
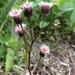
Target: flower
x=27 y=9
x=19 y=30
x=16 y=15
x=44 y=49
x=56 y=23
x=45 y=6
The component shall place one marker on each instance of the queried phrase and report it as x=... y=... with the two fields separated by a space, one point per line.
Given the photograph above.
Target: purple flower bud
x=19 y=30
x=45 y=7
x=27 y=9
x=16 y=15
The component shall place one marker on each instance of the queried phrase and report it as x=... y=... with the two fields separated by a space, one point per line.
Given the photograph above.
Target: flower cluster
x=27 y=7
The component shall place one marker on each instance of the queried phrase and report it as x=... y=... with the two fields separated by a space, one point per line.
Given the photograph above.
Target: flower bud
x=27 y=9
x=45 y=7
x=42 y=54
x=16 y=15
x=19 y=30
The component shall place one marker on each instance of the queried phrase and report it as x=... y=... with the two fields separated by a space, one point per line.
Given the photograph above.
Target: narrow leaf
x=9 y=60
x=73 y=16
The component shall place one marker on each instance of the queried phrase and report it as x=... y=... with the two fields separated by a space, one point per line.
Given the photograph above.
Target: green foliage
x=4 y=38
x=3 y=49
x=62 y=2
x=73 y=16
x=67 y=6
x=6 y=11
x=9 y=60
x=14 y=44
x=45 y=24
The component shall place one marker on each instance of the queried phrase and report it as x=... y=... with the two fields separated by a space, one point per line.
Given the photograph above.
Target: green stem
x=30 y=29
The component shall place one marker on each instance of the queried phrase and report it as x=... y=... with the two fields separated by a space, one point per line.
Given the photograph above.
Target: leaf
x=73 y=16
x=36 y=3
x=68 y=6
x=45 y=24
x=14 y=44
x=2 y=39
x=2 y=51
x=26 y=56
x=62 y=2
x=6 y=11
x=9 y=60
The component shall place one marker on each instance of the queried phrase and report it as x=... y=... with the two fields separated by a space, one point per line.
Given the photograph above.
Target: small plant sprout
x=27 y=9
x=44 y=49
x=16 y=15
x=45 y=7
x=19 y=30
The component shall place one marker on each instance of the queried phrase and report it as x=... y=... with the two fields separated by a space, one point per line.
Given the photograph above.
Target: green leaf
x=6 y=10
x=14 y=44
x=62 y=2
x=45 y=24
x=9 y=60
x=2 y=39
x=36 y=3
x=26 y=56
x=2 y=51
x=73 y=16
x=68 y=6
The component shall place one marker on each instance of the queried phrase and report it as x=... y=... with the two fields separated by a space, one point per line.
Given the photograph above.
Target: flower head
x=16 y=15
x=44 y=49
x=19 y=30
x=45 y=6
x=27 y=9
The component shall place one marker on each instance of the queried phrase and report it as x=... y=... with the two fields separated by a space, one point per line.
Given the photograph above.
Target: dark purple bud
x=45 y=7
x=27 y=9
